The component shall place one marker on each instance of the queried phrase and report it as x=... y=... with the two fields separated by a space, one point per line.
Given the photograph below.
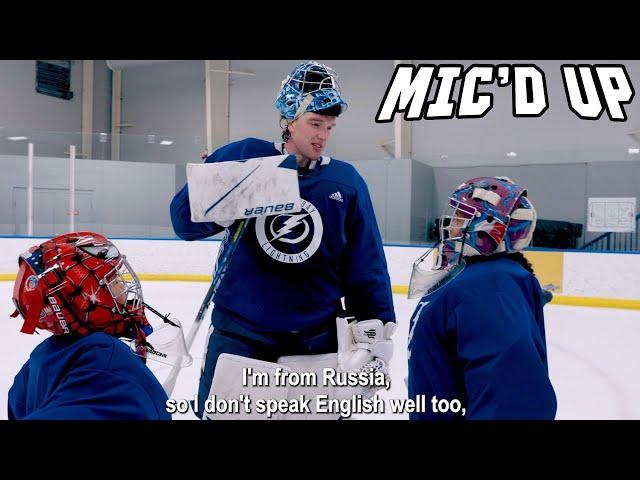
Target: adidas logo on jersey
x=336 y=196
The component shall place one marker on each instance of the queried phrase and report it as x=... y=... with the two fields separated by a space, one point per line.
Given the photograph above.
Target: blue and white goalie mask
x=311 y=87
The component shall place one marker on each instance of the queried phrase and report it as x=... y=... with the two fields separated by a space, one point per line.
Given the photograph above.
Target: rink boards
x=576 y=277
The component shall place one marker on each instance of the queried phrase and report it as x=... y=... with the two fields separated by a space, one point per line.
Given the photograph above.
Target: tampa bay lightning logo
x=291 y=237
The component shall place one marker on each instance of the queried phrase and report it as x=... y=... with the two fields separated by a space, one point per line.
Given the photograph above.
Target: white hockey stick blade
x=234 y=190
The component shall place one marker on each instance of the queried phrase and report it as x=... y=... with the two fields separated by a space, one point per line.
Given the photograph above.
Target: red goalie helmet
x=78 y=283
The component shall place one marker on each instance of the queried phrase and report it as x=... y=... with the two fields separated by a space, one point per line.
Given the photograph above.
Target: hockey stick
x=170 y=382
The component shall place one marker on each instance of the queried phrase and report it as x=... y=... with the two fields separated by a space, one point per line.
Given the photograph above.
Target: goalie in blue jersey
x=282 y=290
x=477 y=335
x=80 y=288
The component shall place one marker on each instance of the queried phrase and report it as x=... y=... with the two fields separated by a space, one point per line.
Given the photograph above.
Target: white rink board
x=145 y=256
x=607 y=275
x=190 y=258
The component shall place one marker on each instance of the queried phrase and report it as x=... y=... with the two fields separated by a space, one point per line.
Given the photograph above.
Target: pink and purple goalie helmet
x=490 y=215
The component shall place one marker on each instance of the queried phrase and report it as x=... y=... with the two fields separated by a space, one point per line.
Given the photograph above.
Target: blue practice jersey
x=96 y=377
x=290 y=271
x=480 y=339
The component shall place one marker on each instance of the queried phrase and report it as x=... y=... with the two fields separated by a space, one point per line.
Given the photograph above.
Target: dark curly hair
x=517 y=256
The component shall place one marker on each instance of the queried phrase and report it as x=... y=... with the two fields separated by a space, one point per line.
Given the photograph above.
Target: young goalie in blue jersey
x=478 y=335
x=79 y=287
x=283 y=287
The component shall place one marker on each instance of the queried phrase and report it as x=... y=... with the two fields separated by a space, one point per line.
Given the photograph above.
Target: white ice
x=594 y=354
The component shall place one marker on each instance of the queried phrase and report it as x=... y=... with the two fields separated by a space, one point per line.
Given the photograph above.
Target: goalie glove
x=364 y=346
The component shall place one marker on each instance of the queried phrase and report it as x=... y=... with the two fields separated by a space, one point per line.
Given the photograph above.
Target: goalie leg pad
x=220 y=341
x=310 y=363
x=256 y=379
x=310 y=371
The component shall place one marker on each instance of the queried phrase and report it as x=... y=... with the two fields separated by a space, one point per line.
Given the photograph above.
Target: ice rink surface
x=594 y=353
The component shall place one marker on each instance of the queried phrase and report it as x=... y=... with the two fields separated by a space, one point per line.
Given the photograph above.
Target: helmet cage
x=124 y=286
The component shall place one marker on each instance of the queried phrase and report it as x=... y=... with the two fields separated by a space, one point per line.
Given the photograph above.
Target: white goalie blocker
x=226 y=191
x=363 y=347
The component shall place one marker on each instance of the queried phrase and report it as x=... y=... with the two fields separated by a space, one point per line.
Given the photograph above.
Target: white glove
x=364 y=346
